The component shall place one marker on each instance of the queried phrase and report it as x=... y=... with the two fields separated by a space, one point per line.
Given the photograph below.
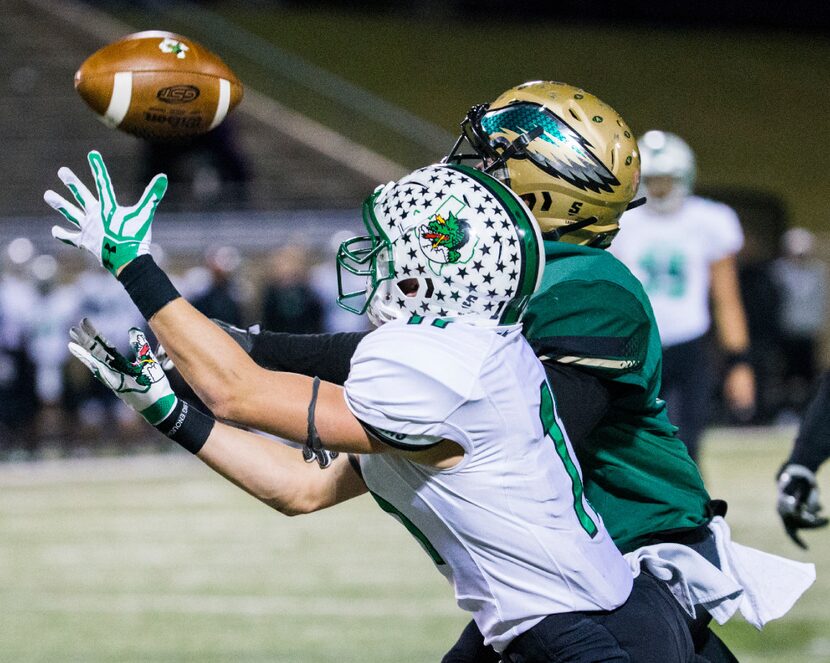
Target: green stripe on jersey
x=411 y=527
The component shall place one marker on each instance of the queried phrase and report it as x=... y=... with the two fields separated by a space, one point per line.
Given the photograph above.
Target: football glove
x=141 y=384
x=115 y=235
x=798 y=501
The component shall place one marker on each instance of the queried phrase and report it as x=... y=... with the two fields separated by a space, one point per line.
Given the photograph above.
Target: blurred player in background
x=682 y=248
x=446 y=409
x=801 y=279
x=289 y=302
x=221 y=296
x=798 y=494
x=19 y=301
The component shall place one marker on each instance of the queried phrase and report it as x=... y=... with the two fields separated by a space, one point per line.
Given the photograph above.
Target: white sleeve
x=403 y=386
x=724 y=230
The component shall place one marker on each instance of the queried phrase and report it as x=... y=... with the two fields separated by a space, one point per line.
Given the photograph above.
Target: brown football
x=158 y=85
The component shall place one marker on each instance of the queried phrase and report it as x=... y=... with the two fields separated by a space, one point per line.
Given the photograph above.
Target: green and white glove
x=141 y=384
x=115 y=235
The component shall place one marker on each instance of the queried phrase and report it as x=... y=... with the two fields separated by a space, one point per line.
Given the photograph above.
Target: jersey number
x=664 y=274
x=552 y=430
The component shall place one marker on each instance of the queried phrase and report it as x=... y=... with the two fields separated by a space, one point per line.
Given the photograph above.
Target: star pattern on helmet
x=463 y=284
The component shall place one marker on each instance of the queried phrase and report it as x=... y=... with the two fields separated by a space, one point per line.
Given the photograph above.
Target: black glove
x=798 y=501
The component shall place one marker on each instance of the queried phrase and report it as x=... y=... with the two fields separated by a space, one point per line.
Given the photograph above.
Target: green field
x=154 y=558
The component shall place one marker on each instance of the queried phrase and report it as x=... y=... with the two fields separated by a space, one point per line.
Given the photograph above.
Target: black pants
x=470 y=646
x=687 y=389
x=648 y=628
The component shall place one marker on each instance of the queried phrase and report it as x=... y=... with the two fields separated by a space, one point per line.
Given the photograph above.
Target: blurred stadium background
x=110 y=550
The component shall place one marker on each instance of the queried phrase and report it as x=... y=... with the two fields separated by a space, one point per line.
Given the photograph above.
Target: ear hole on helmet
x=411 y=287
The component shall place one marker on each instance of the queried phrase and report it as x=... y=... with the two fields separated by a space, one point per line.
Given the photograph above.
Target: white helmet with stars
x=446 y=241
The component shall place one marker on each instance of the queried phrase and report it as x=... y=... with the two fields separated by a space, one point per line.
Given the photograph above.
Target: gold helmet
x=570 y=156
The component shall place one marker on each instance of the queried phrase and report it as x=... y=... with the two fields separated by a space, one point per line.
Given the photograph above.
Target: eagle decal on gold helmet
x=559 y=150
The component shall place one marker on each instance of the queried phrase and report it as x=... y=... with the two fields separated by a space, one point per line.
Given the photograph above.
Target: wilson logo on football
x=178 y=94
x=173 y=120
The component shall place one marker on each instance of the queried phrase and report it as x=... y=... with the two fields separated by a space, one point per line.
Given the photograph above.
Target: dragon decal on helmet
x=444 y=239
x=447 y=241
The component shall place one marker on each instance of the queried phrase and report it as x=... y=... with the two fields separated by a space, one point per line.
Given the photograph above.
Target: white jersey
x=671 y=255
x=509 y=525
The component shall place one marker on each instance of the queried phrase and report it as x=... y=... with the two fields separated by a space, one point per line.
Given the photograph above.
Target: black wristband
x=187 y=426
x=734 y=358
x=147 y=285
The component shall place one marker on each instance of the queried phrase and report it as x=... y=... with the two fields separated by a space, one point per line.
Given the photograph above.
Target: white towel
x=691 y=578
x=762 y=586
x=771 y=584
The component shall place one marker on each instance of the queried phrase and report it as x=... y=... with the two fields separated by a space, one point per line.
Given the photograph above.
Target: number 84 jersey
x=508 y=525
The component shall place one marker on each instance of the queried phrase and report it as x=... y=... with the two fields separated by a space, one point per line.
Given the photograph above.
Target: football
x=158 y=85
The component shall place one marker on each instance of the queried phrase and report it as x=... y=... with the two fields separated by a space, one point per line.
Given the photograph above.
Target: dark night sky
x=798 y=15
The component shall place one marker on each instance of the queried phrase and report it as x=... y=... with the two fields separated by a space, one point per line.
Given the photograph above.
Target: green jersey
x=590 y=311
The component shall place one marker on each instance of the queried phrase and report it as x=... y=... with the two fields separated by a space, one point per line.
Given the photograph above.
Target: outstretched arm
x=267 y=469
x=276 y=474
x=235 y=388
x=228 y=381
x=324 y=355
x=328 y=356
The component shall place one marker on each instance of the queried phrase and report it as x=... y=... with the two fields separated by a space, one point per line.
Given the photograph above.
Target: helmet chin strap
x=637 y=202
x=556 y=234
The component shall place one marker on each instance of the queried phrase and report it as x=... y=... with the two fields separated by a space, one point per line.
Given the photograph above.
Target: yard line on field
x=319 y=606
x=740 y=437
x=102 y=470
